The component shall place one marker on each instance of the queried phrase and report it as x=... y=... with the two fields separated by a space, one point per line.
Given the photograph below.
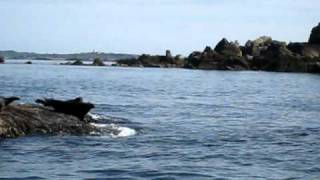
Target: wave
x=111 y=128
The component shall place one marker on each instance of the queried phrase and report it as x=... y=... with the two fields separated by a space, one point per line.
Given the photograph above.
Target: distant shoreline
x=86 y=56
x=261 y=54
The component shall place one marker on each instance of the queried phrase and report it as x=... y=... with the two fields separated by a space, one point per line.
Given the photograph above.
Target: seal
x=75 y=107
x=6 y=101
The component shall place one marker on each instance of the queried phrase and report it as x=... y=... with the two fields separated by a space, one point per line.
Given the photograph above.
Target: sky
x=149 y=26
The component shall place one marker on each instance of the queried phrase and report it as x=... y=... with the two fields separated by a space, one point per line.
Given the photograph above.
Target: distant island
x=264 y=54
x=89 y=56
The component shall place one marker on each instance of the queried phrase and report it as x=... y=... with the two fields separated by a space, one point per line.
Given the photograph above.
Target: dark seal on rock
x=75 y=107
x=6 y=101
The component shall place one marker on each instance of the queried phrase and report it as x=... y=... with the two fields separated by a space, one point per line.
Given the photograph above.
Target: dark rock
x=157 y=61
x=98 y=62
x=2 y=60
x=168 y=54
x=28 y=62
x=260 y=54
x=254 y=48
x=179 y=61
x=235 y=64
x=74 y=63
x=193 y=60
x=19 y=120
x=129 y=62
x=75 y=107
x=305 y=49
x=77 y=62
x=277 y=49
x=313 y=67
x=227 y=48
x=297 y=48
x=315 y=35
x=211 y=60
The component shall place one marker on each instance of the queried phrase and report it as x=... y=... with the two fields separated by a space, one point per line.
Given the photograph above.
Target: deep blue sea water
x=177 y=124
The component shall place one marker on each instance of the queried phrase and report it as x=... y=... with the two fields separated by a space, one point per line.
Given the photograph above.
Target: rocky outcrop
x=58 y=117
x=98 y=62
x=168 y=54
x=282 y=58
x=74 y=63
x=305 y=49
x=315 y=35
x=230 y=49
x=20 y=120
x=263 y=53
x=1 y=59
x=255 y=47
x=226 y=56
x=95 y=62
x=145 y=60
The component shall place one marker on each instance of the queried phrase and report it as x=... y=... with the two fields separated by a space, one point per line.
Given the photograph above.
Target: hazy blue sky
x=149 y=26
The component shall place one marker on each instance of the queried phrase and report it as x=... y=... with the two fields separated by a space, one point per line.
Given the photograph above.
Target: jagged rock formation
x=315 y=35
x=264 y=53
x=146 y=60
x=254 y=48
x=305 y=49
x=230 y=49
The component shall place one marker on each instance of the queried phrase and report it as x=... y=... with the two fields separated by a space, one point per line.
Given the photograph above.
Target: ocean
x=173 y=124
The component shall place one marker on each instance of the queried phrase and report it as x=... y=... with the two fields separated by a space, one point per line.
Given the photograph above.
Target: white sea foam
x=100 y=125
x=115 y=131
x=125 y=132
x=94 y=116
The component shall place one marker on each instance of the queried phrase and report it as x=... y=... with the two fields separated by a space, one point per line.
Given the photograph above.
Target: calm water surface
x=177 y=124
